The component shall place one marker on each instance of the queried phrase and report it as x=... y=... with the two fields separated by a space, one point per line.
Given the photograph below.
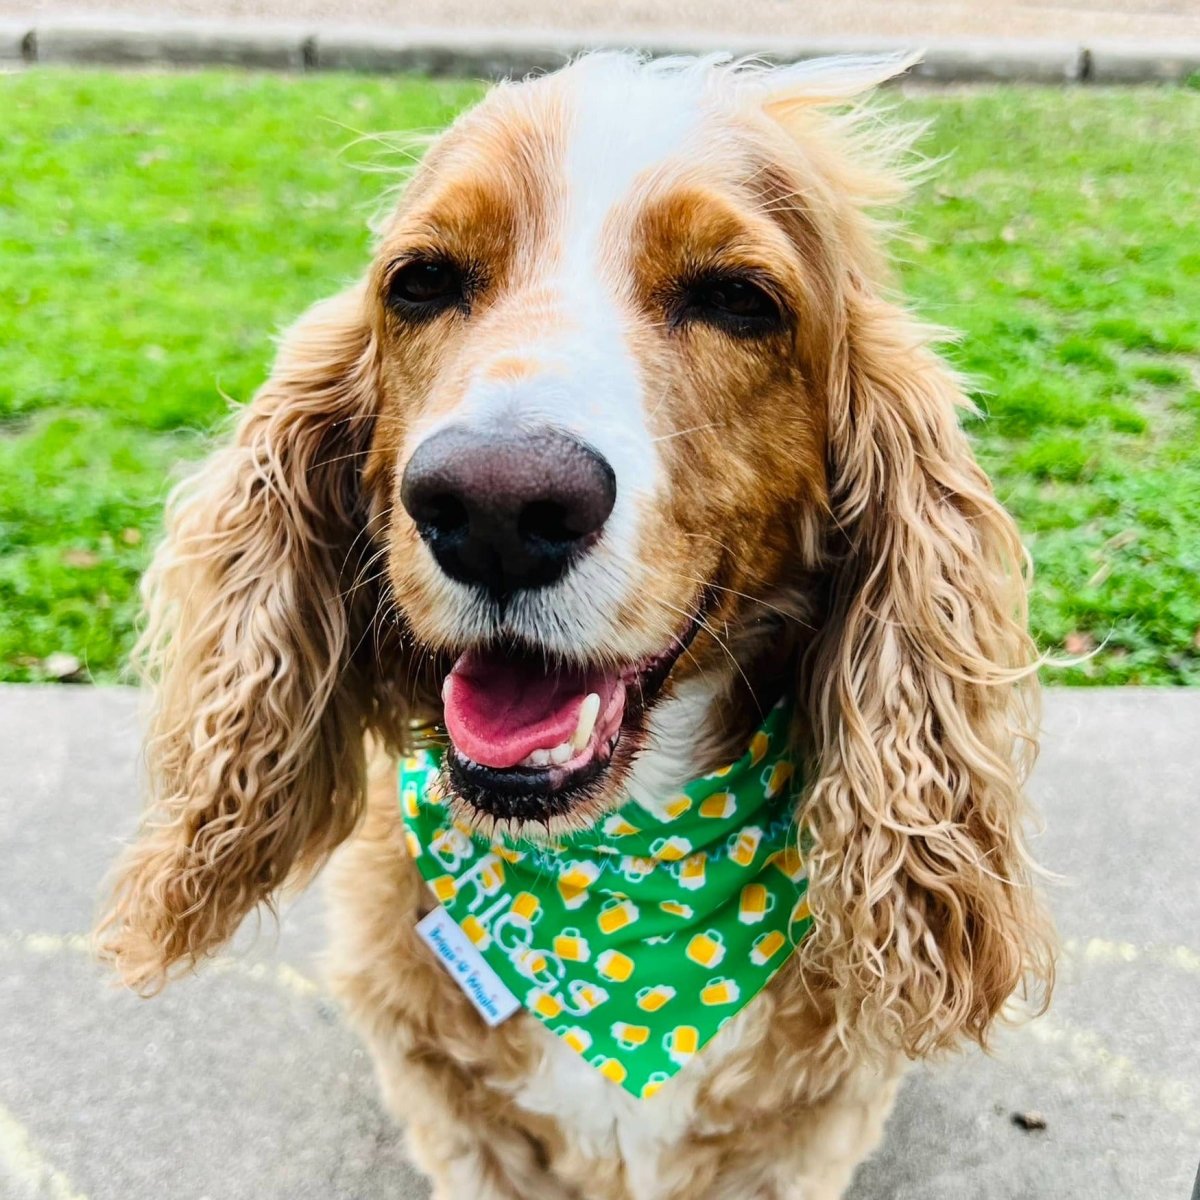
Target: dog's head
x=620 y=412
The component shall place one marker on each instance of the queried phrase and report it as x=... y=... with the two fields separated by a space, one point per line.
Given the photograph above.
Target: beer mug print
x=743 y=846
x=670 y=849
x=674 y=909
x=618 y=826
x=718 y=806
x=578 y=1039
x=754 y=903
x=528 y=907
x=616 y=913
x=574 y=882
x=530 y=962
x=790 y=862
x=475 y=929
x=681 y=1043
x=585 y=996
x=636 y=867
x=707 y=948
x=413 y=843
x=572 y=946
x=609 y=1068
x=544 y=1003
x=444 y=888
x=719 y=991
x=692 y=871
x=654 y=1084
x=776 y=778
x=766 y=946
x=451 y=848
x=614 y=966
x=629 y=1037
x=676 y=806
x=409 y=802
x=651 y=999
x=758 y=747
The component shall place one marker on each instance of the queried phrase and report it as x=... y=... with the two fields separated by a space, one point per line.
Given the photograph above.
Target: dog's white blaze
x=622 y=123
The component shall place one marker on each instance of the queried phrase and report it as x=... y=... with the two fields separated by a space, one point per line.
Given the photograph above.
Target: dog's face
x=604 y=336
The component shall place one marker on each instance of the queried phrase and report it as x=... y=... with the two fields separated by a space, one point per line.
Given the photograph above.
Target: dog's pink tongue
x=500 y=709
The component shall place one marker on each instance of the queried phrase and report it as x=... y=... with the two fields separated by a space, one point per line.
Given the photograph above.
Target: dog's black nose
x=507 y=510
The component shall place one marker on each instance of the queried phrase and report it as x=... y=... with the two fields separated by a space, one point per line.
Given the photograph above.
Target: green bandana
x=637 y=940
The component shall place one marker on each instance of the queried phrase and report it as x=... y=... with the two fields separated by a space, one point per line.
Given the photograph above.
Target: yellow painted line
x=1098 y=950
x=1087 y=1051
x=280 y=974
x=22 y=1163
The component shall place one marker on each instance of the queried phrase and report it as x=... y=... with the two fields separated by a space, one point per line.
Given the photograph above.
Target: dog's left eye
x=425 y=287
x=733 y=303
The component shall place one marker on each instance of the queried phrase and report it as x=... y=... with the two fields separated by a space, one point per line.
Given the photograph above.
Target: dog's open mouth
x=529 y=736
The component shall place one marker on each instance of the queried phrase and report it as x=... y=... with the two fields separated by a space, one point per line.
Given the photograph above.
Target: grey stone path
x=241 y=1084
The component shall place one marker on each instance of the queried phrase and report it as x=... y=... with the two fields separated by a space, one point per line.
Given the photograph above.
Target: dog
x=622 y=446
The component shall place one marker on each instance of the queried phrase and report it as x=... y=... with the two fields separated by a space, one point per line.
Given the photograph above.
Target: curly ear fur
x=922 y=699
x=252 y=649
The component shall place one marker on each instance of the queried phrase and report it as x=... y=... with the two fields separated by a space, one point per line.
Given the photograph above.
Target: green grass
x=157 y=231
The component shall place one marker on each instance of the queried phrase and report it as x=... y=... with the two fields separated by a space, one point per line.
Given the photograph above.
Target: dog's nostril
x=546 y=521
x=442 y=513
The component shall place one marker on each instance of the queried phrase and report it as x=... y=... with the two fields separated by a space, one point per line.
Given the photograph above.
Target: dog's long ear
x=922 y=698
x=252 y=651
x=920 y=689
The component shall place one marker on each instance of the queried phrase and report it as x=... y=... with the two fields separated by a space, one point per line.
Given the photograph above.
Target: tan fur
x=817 y=483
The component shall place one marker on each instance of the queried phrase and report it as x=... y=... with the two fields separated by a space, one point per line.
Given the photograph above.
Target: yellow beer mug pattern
x=572 y=945
x=720 y=991
x=673 y=908
x=610 y=1068
x=444 y=887
x=475 y=929
x=544 y=1003
x=693 y=871
x=754 y=903
x=615 y=913
x=766 y=946
x=574 y=882
x=790 y=861
x=629 y=1037
x=586 y=996
x=527 y=906
x=707 y=948
x=681 y=1043
x=743 y=846
x=619 y=826
x=718 y=806
x=614 y=966
x=777 y=778
x=651 y=999
x=654 y=1084
x=677 y=806
x=758 y=748
x=578 y=1039
x=670 y=849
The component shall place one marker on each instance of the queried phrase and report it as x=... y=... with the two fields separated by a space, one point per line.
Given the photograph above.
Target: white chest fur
x=606 y=1122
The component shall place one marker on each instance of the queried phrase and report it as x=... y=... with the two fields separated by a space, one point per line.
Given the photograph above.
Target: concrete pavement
x=241 y=1084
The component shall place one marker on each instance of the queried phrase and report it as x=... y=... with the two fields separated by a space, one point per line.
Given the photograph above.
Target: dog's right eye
x=425 y=287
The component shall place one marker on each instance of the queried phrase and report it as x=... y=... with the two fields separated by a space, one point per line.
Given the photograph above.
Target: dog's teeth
x=589 y=710
x=445 y=687
x=560 y=754
x=539 y=758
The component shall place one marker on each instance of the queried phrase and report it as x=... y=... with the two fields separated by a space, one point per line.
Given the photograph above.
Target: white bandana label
x=467 y=967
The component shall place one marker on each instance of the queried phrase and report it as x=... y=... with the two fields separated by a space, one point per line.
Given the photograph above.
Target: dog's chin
x=537 y=744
